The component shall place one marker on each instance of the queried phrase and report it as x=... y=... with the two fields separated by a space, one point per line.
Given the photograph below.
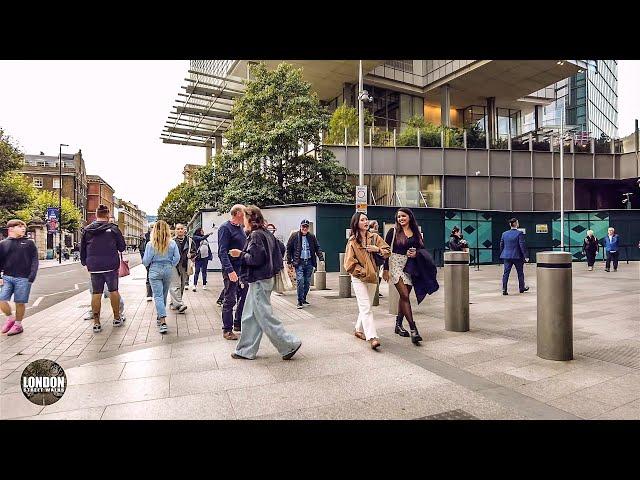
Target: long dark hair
x=256 y=220
x=401 y=238
x=199 y=231
x=355 y=230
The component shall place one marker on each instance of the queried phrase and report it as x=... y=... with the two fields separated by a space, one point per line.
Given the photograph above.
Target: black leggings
x=404 y=304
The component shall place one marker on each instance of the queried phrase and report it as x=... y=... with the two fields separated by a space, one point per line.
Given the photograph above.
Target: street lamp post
x=363 y=96
x=60 y=202
x=562 y=177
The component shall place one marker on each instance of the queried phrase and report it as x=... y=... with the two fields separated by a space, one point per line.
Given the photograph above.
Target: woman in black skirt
x=590 y=248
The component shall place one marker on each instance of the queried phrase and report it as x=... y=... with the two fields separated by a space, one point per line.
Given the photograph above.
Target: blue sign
x=53 y=220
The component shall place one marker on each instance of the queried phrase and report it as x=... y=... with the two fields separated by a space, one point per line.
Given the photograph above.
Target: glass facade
x=431 y=188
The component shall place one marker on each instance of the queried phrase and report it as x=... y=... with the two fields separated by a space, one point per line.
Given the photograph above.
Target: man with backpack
x=203 y=255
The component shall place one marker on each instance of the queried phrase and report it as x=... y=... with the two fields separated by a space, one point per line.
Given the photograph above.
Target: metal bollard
x=394 y=299
x=344 y=280
x=555 y=305
x=456 y=291
x=376 y=296
x=321 y=277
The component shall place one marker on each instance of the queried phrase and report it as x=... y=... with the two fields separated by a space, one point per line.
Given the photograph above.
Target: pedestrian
x=105 y=292
x=454 y=242
x=373 y=228
x=100 y=248
x=361 y=265
x=611 y=244
x=161 y=256
x=514 y=253
x=231 y=236
x=405 y=240
x=142 y=245
x=261 y=260
x=187 y=250
x=302 y=249
x=590 y=248
x=203 y=255
x=18 y=269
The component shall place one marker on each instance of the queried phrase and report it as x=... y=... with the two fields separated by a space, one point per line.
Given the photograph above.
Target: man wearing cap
x=302 y=249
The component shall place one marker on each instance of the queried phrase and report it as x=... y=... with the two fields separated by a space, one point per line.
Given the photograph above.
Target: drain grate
x=450 y=415
x=622 y=355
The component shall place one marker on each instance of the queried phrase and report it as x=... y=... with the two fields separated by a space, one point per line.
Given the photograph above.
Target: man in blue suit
x=514 y=253
x=611 y=243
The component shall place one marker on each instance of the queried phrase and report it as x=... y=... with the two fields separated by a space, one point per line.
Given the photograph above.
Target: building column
x=218 y=139
x=445 y=106
x=492 y=131
x=208 y=152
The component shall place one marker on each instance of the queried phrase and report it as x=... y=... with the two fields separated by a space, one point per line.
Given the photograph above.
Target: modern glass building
x=497 y=146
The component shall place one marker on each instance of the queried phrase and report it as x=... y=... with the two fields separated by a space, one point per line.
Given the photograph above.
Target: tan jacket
x=360 y=263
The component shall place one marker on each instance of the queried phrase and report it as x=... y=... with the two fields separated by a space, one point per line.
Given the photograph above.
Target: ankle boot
x=400 y=330
x=415 y=336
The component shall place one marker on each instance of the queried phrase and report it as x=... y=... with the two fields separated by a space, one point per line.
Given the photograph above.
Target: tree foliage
x=71 y=215
x=345 y=117
x=15 y=190
x=179 y=205
x=265 y=163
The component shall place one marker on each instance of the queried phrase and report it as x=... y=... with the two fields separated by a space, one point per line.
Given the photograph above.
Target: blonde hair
x=160 y=237
x=590 y=233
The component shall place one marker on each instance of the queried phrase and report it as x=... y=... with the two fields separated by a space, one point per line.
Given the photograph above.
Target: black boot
x=415 y=336
x=399 y=328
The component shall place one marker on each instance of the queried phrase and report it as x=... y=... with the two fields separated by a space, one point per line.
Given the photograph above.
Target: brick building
x=98 y=192
x=131 y=221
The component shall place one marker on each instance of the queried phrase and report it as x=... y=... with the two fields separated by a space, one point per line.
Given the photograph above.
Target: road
x=55 y=284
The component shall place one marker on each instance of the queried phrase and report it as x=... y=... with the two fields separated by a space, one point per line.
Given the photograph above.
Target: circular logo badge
x=43 y=382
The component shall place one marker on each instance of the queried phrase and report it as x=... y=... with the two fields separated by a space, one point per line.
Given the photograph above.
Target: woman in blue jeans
x=201 y=261
x=161 y=255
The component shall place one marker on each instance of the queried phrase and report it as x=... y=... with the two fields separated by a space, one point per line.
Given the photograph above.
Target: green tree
x=179 y=205
x=15 y=190
x=265 y=165
x=346 y=117
x=429 y=133
x=71 y=215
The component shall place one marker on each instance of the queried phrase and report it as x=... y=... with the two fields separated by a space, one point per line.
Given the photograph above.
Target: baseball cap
x=304 y=222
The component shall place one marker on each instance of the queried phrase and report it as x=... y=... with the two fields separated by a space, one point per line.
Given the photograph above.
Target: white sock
x=18 y=322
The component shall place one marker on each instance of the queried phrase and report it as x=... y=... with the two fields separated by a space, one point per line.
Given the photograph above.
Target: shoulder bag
x=123 y=270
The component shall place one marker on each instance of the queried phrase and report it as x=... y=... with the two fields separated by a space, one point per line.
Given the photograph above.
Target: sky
x=115 y=111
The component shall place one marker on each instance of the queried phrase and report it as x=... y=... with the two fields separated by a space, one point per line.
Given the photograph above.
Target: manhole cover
x=623 y=355
x=450 y=415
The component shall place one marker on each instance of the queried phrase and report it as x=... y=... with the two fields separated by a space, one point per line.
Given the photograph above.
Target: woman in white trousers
x=363 y=249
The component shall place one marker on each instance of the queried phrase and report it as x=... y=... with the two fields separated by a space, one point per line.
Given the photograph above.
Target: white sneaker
x=204 y=287
x=88 y=316
x=194 y=288
x=149 y=299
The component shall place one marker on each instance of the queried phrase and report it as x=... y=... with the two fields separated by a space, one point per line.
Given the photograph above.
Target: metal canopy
x=204 y=111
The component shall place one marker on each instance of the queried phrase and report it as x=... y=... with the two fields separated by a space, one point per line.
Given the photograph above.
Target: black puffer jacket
x=261 y=257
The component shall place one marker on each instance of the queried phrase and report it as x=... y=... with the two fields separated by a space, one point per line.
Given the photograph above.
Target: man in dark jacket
x=302 y=249
x=231 y=236
x=99 y=252
x=144 y=239
x=18 y=268
x=513 y=252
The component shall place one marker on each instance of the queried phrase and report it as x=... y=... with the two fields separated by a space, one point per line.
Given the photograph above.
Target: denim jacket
x=172 y=255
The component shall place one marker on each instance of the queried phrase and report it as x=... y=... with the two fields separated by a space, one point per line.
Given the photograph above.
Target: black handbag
x=377 y=258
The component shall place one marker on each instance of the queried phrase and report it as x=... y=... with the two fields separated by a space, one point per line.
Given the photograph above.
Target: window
x=37 y=182
x=56 y=183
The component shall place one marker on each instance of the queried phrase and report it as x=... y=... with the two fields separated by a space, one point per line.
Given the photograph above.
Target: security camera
x=365 y=97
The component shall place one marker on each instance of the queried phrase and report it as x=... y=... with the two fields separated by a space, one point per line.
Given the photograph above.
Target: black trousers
x=234 y=292
x=612 y=256
x=591 y=258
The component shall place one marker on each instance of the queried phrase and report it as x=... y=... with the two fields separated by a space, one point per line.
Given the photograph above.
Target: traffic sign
x=361 y=198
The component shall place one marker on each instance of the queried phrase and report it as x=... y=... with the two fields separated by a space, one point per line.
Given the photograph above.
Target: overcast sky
x=115 y=111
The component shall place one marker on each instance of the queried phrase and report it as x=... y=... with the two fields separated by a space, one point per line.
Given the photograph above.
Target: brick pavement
x=490 y=372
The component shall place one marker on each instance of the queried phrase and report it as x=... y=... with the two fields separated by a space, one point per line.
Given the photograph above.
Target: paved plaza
x=490 y=372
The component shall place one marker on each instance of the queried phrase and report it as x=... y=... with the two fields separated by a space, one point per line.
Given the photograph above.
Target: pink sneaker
x=8 y=324
x=16 y=329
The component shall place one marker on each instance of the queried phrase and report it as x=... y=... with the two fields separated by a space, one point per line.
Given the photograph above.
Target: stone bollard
x=456 y=291
x=555 y=305
x=394 y=299
x=344 y=280
x=321 y=277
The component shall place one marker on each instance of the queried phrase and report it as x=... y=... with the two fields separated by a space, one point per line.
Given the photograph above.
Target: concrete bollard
x=376 y=296
x=555 y=305
x=344 y=280
x=321 y=277
x=456 y=291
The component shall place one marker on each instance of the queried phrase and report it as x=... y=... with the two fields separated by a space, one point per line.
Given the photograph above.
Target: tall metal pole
x=60 y=206
x=360 y=128
x=562 y=177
